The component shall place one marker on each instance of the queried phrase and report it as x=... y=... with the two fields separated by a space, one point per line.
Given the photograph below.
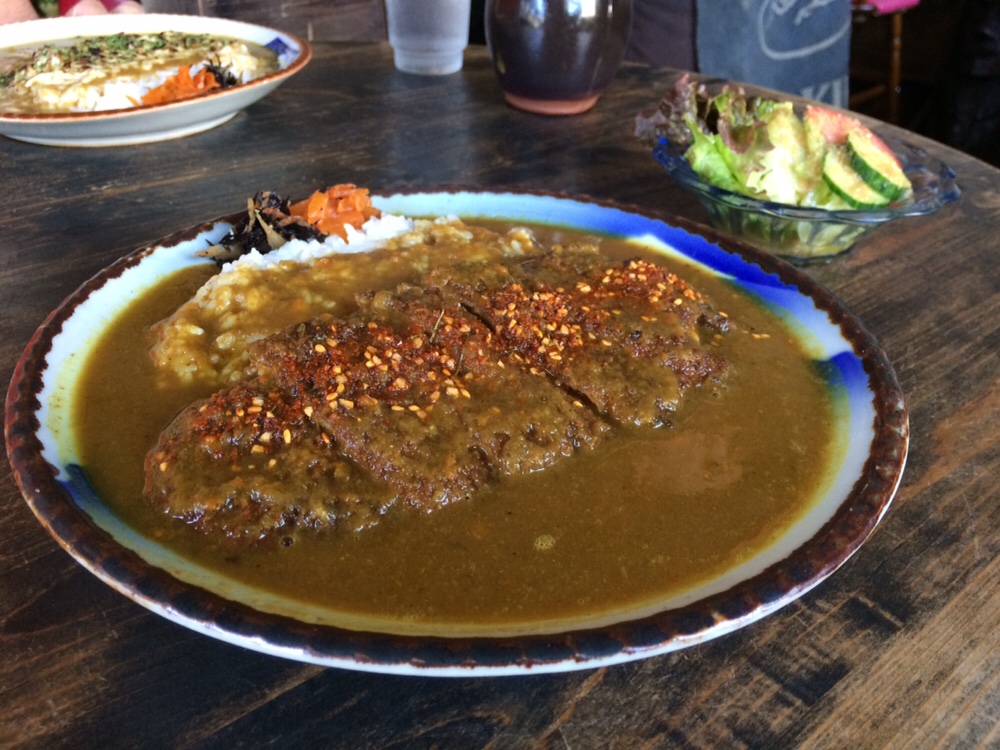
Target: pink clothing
x=892 y=6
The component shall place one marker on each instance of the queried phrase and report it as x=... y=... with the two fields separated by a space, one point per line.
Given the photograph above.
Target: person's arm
x=96 y=7
x=17 y=10
x=23 y=10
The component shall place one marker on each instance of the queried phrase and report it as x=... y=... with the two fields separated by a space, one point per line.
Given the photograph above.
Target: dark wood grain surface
x=900 y=648
x=315 y=20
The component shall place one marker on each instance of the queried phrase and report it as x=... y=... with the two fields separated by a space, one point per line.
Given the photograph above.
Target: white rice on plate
x=205 y=341
x=100 y=74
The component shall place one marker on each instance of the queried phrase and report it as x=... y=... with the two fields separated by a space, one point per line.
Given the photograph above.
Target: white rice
x=205 y=340
x=373 y=234
x=100 y=90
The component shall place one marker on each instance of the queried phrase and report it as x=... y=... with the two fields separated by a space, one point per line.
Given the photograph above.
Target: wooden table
x=900 y=648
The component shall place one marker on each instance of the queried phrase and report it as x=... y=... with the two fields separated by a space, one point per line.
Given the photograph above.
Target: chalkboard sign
x=801 y=47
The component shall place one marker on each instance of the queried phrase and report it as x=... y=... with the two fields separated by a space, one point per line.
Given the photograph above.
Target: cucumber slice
x=844 y=181
x=877 y=165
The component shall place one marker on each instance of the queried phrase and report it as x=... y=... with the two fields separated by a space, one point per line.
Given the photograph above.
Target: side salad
x=762 y=148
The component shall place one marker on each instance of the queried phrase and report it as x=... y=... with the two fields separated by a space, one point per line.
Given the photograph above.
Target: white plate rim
x=147 y=123
x=61 y=510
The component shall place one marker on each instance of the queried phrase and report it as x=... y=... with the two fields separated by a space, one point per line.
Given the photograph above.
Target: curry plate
x=872 y=425
x=151 y=122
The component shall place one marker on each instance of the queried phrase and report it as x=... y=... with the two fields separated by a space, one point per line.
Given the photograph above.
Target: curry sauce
x=641 y=517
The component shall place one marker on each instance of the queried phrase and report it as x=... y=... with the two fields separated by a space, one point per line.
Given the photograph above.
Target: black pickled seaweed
x=223 y=75
x=266 y=226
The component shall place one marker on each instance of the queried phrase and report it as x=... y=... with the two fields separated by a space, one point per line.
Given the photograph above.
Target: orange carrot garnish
x=182 y=85
x=332 y=209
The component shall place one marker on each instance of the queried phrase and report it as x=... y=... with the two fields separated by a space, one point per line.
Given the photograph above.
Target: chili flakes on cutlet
x=233 y=424
x=407 y=371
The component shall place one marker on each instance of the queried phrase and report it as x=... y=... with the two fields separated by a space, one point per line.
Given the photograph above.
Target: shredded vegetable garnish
x=332 y=209
x=181 y=86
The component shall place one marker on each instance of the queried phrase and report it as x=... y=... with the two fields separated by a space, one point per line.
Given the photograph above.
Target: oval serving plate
x=871 y=432
x=155 y=122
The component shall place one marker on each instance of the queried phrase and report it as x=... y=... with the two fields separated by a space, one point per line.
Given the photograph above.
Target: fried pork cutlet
x=415 y=392
x=627 y=337
x=248 y=462
x=479 y=371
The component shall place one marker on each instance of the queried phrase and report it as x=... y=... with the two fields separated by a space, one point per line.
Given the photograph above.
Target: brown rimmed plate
x=872 y=427
x=155 y=122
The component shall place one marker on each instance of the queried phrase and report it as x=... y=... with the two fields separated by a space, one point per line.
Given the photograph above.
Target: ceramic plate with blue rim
x=871 y=428
x=154 y=122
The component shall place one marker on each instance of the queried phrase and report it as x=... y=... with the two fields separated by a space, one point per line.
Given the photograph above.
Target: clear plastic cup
x=428 y=36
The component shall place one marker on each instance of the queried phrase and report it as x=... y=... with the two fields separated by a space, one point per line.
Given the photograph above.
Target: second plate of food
x=534 y=433
x=116 y=80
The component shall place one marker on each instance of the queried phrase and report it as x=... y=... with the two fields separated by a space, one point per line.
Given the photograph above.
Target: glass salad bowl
x=804 y=234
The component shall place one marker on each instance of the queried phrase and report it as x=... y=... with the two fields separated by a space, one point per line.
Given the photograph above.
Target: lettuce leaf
x=749 y=145
x=708 y=157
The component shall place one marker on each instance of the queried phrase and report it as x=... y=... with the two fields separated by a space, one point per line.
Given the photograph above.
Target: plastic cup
x=428 y=36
